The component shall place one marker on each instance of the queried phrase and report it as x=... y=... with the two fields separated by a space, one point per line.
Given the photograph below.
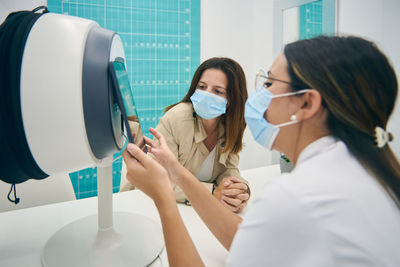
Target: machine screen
x=126 y=103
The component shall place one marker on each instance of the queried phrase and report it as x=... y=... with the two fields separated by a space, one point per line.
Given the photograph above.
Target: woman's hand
x=146 y=174
x=164 y=156
x=149 y=176
x=232 y=193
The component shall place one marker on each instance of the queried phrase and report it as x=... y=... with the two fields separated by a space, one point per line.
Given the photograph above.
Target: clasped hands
x=232 y=193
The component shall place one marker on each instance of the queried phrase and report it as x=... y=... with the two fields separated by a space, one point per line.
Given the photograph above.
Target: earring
x=293 y=117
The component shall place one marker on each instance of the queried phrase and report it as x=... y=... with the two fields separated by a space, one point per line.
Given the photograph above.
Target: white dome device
x=64 y=102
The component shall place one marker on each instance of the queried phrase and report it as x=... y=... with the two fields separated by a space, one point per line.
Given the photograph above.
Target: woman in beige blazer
x=205 y=131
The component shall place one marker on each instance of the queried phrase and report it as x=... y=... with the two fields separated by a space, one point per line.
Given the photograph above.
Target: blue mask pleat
x=263 y=132
x=208 y=105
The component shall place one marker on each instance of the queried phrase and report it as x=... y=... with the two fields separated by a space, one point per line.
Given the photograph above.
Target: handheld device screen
x=126 y=103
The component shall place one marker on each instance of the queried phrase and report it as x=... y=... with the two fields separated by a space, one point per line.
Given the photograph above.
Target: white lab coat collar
x=317 y=147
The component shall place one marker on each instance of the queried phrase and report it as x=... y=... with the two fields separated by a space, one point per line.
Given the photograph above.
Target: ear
x=311 y=105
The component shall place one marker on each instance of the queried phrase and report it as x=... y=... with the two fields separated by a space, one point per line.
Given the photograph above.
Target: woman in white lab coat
x=325 y=104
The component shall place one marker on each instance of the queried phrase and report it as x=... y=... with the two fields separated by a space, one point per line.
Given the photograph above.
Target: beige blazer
x=184 y=133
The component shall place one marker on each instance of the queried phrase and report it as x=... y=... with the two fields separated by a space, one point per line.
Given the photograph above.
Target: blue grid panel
x=329 y=17
x=310 y=20
x=317 y=18
x=162 y=46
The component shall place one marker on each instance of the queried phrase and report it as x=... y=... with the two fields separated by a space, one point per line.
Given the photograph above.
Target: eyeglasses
x=262 y=80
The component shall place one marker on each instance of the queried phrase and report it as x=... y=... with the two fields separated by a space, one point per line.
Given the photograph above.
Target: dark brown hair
x=358 y=87
x=236 y=95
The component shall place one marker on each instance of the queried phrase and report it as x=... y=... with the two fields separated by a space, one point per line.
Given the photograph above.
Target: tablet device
x=123 y=94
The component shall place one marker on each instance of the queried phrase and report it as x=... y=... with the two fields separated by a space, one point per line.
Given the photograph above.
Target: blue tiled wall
x=317 y=18
x=311 y=20
x=162 y=45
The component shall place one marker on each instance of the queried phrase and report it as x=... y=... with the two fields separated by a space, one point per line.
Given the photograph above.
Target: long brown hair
x=358 y=87
x=236 y=95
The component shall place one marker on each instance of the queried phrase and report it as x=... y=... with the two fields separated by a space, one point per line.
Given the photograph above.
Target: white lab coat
x=328 y=212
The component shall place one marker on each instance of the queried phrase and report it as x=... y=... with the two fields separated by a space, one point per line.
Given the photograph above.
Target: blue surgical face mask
x=264 y=132
x=208 y=105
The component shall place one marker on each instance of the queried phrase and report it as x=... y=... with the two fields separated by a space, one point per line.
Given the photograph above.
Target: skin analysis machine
x=65 y=100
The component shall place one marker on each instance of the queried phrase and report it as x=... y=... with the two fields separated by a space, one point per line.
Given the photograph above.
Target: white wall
x=8 y=6
x=379 y=21
x=290 y=25
x=241 y=30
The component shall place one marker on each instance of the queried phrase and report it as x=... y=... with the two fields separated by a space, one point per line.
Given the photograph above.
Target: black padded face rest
x=16 y=161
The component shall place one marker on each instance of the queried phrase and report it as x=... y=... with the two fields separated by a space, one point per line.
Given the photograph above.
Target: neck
x=302 y=142
x=306 y=132
x=210 y=125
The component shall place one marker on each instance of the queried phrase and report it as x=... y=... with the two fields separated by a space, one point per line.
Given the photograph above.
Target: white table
x=24 y=232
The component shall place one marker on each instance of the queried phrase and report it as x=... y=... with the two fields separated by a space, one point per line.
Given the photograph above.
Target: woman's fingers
x=243 y=197
x=157 y=154
x=231 y=182
x=235 y=180
x=232 y=201
x=232 y=192
x=136 y=152
x=241 y=206
x=238 y=185
x=150 y=142
x=158 y=135
x=150 y=150
x=130 y=160
x=230 y=207
x=227 y=181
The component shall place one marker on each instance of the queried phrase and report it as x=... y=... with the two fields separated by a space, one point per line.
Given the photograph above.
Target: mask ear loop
x=302 y=91
x=293 y=120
